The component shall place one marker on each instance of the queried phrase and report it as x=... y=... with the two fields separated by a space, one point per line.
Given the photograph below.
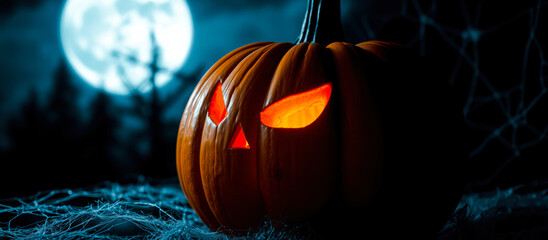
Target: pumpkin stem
x=322 y=22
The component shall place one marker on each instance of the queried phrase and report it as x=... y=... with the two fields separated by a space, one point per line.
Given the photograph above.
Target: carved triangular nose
x=238 y=139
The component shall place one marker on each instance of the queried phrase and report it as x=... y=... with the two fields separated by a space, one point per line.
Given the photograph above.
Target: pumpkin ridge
x=264 y=50
x=360 y=176
x=288 y=184
x=216 y=203
x=279 y=54
x=223 y=194
x=290 y=54
x=221 y=74
x=189 y=136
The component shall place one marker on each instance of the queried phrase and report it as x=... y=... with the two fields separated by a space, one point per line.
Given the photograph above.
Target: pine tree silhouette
x=62 y=109
x=64 y=131
x=28 y=124
x=45 y=141
x=53 y=147
x=100 y=144
x=22 y=166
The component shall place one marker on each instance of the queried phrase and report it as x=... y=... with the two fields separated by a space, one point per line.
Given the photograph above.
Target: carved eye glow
x=238 y=139
x=298 y=110
x=217 y=109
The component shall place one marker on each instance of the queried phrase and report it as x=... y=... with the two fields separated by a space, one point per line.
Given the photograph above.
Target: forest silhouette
x=56 y=144
x=494 y=61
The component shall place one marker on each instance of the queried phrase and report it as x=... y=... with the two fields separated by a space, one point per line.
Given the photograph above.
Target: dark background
x=56 y=131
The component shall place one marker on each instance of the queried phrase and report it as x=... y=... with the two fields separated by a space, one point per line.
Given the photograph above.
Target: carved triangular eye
x=298 y=110
x=217 y=109
x=238 y=139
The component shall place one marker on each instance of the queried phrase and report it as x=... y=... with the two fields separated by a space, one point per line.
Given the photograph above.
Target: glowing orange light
x=238 y=139
x=298 y=110
x=217 y=109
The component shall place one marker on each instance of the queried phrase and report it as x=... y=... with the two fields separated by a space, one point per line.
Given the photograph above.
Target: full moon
x=116 y=44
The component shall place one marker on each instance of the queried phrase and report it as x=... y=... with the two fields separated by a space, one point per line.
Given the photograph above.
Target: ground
x=140 y=208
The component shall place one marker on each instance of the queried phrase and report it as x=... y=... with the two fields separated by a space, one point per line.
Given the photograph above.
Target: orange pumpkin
x=286 y=131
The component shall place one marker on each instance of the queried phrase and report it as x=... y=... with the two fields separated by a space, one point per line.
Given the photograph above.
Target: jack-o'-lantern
x=286 y=131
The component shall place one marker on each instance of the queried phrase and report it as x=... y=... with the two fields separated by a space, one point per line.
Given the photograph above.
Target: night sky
x=32 y=58
x=30 y=42
x=492 y=56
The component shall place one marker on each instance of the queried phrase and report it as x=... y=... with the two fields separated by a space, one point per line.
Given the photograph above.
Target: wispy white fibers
x=140 y=209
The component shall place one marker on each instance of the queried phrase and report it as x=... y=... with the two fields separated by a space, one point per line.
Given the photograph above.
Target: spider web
x=146 y=209
x=138 y=208
x=494 y=55
x=110 y=211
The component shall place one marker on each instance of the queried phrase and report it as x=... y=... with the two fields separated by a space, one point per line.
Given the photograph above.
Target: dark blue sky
x=31 y=49
x=507 y=52
x=493 y=55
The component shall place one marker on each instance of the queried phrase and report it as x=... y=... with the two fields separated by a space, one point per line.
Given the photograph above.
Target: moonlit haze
x=110 y=43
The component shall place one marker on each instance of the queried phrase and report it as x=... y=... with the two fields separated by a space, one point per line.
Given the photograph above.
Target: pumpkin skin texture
x=353 y=164
x=287 y=174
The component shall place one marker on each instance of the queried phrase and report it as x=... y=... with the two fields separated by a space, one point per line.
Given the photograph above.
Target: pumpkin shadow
x=424 y=155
